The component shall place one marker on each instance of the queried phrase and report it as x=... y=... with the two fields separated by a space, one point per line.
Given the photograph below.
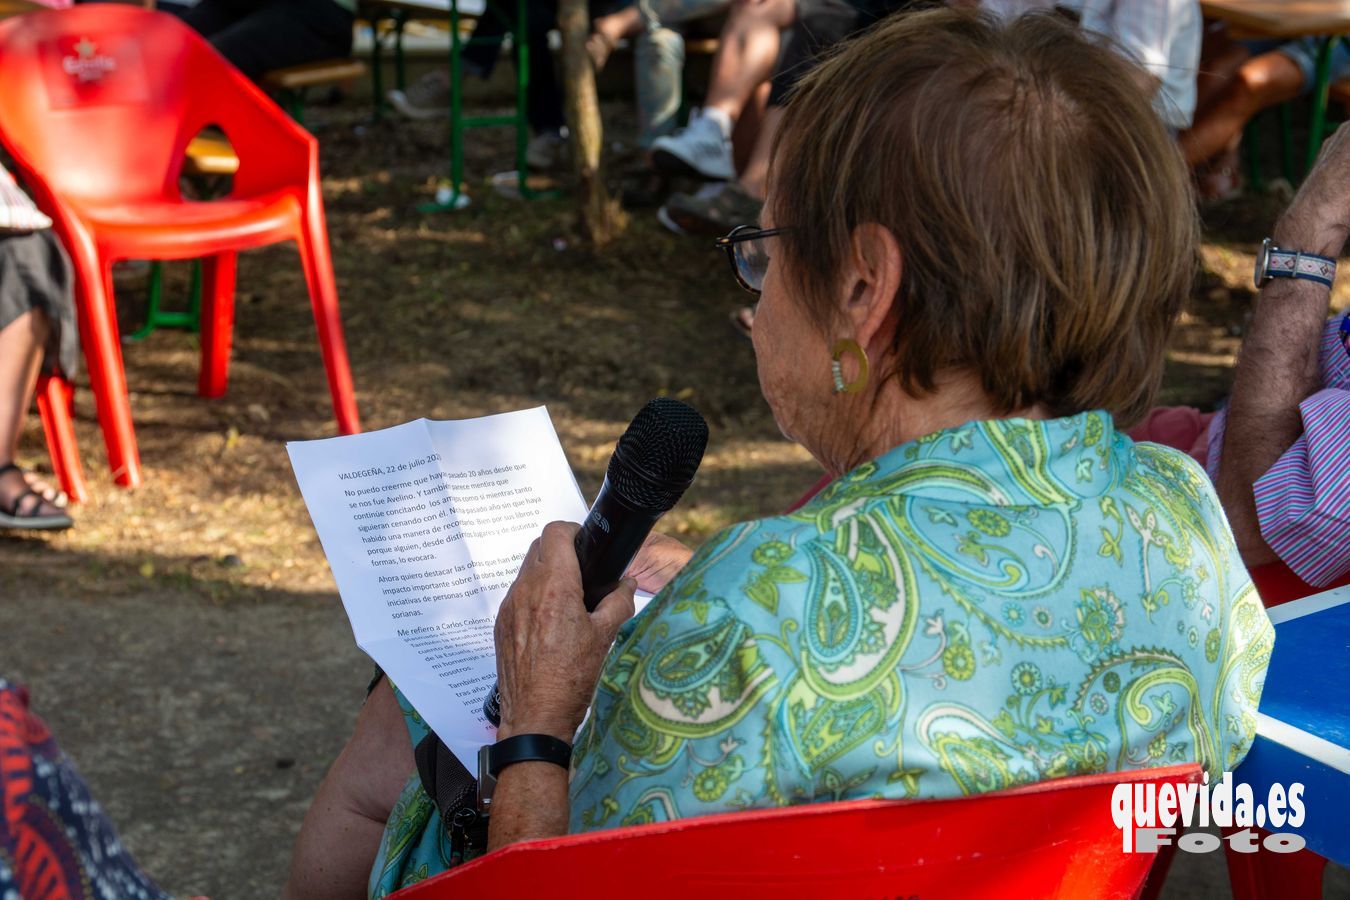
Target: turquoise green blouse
x=987 y=606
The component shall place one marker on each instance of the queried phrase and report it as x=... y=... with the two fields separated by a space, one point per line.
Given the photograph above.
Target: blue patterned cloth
x=990 y=605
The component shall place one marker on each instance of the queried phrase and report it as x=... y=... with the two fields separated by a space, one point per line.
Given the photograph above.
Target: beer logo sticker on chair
x=88 y=64
x=80 y=71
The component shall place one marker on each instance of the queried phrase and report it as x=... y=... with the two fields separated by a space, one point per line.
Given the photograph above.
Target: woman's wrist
x=553 y=727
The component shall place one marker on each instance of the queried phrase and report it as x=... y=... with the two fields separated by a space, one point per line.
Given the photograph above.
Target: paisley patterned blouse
x=990 y=605
x=994 y=604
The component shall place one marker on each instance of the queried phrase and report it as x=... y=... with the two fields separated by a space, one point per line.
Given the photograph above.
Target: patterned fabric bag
x=55 y=841
x=17 y=211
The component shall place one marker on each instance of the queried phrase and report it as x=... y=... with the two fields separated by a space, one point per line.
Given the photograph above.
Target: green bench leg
x=157 y=317
x=376 y=69
x=1321 y=85
x=400 y=70
x=1251 y=148
x=453 y=197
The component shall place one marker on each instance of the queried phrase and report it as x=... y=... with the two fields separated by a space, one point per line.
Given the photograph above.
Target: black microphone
x=652 y=466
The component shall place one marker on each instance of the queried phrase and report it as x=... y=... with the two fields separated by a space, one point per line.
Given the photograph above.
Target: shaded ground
x=185 y=640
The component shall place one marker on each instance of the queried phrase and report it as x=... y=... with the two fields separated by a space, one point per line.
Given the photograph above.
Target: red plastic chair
x=1054 y=839
x=54 y=401
x=97 y=105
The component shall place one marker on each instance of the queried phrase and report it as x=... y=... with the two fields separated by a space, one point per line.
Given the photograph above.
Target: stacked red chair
x=1054 y=839
x=97 y=106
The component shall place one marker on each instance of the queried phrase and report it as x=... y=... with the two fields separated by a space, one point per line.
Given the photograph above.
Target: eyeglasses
x=748 y=256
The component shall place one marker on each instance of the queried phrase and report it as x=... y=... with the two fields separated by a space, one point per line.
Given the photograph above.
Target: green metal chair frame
x=459 y=122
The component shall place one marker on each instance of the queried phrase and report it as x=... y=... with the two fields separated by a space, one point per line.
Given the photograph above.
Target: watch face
x=1262 y=260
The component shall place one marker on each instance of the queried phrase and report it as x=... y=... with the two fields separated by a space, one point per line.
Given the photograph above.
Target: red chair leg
x=1263 y=874
x=103 y=354
x=217 y=323
x=323 y=298
x=54 y=400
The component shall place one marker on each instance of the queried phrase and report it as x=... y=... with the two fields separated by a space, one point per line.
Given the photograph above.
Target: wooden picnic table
x=17 y=7
x=1325 y=20
x=1282 y=18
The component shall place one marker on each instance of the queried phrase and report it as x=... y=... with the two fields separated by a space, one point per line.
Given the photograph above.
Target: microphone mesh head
x=658 y=455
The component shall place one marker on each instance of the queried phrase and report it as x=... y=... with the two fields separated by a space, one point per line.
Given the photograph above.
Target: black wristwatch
x=518 y=748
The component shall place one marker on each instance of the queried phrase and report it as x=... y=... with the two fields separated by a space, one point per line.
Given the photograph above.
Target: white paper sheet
x=424 y=526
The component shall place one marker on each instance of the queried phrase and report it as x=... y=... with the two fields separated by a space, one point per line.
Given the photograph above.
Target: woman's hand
x=549 y=649
x=1318 y=220
x=658 y=561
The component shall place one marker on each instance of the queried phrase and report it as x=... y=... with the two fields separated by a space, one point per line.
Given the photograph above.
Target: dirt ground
x=185 y=640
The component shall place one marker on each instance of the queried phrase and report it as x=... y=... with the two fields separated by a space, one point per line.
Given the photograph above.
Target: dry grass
x=489 y=309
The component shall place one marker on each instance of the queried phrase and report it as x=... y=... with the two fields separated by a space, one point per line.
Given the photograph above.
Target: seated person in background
x=750 y=52
x=429 y=96
x=1280 y=452
x=976 y=244
x=258 y=36
x=37 y=322
x=1162 y=36
x=1276 y=74
x=658 y=56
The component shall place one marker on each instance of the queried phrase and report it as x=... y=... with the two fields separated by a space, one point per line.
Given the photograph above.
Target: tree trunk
x=600 y=217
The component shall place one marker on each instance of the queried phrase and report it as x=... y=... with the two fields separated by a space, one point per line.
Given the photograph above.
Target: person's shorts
x=820 y=25
x=1303 y=53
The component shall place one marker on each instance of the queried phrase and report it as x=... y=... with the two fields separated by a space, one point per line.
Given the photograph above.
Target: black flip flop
x=11 y=518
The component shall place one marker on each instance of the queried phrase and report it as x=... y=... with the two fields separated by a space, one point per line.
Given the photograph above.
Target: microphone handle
x=610 y=537
x=607 y=542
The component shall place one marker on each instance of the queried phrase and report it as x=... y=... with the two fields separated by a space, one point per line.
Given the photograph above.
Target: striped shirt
x=17 y=212
x=1303 y=501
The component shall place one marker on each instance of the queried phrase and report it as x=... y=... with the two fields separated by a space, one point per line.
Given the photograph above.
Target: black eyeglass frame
x=739 y=235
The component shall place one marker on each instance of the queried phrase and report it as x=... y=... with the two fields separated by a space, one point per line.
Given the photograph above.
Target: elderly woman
x=976 y=242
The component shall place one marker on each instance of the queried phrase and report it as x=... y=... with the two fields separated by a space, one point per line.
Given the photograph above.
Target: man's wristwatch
x=518 y=748
x=1274 y=262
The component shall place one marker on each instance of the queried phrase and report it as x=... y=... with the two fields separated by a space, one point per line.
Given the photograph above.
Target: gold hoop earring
x=851 y=347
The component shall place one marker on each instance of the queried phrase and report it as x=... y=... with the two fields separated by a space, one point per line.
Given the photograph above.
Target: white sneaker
x=426 y=98
x=547 y=152
x=701 y=149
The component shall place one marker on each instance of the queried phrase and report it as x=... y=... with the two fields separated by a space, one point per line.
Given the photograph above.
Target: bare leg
x=622 y=24
x=756 y=171
x=21 y=345
x=1261 y=82
x=1217 y=68
x=746 y=53
x=341 y=833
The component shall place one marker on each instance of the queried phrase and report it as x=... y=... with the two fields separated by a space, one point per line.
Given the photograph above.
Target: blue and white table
x=1303 y=725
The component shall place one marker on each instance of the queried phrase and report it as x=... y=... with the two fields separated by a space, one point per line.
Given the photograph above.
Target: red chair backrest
x=101 y=100
x=1053 y=839
x=1276 y=583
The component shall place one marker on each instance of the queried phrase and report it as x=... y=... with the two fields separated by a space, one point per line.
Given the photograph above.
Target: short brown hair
x=1045 y=217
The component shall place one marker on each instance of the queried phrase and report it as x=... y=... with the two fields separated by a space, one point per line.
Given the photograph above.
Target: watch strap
x=528 y=748
x=1296 y=264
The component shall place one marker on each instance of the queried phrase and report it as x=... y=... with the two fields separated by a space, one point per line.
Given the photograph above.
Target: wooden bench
x=292 y=81
x=209 y=155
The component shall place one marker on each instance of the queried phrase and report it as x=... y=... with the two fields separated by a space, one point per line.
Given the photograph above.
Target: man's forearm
x=1277 y=369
